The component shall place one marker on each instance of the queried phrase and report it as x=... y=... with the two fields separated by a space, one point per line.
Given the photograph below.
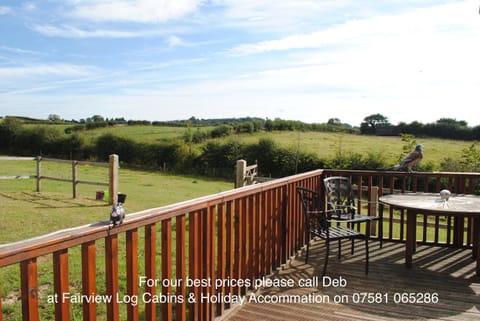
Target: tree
x=54 y=118
x=372 y=122
x=334 y=121
x=452 y=122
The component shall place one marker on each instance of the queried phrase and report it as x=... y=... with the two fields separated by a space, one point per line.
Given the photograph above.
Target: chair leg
x=366 y=254
x=380 y=225
x=327 y=243
x=308 y=249
x=380 y=231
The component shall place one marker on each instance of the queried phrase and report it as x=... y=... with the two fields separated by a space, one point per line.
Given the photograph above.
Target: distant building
x=388 y=131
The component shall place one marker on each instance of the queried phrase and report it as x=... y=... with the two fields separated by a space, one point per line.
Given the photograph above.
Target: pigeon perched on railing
x=411 y=160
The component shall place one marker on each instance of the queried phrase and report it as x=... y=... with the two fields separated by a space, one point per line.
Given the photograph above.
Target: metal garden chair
x=318 y=223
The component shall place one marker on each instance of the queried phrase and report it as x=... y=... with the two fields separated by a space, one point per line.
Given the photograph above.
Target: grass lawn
x=26 y=213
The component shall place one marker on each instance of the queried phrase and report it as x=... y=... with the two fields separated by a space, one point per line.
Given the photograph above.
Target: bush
x=9 y=129
x=40 y=140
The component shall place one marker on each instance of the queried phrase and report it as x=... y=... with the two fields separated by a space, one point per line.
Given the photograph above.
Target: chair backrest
x=314 y=215
x=339 y=195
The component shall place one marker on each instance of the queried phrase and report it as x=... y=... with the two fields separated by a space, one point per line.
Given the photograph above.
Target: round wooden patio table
x=459 y=205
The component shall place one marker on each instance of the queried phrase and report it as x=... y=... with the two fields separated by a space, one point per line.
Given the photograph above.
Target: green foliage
x=469 y=160
x=9 y=128
x=39 y=140
x=352 y=160
x=221 y=131
x=191 y=150
x=409 y=145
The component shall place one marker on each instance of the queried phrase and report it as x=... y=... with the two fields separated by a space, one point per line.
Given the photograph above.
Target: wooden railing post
x=89 y=280
x=181 y=267
x=150 y=270
x=113 y=178
x=61 y=285
x=167 y=307
x=111 y=276
x=29 y=282
x=132 y=272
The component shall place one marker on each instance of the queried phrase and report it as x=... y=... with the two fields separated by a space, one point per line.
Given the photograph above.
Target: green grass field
x=26 y=213
x=22 y=206
x=325 y=145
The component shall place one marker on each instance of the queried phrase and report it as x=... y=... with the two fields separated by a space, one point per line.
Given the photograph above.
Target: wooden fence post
x=39 y=173
x=113 y=178
x=240 y=173
x=74 y=178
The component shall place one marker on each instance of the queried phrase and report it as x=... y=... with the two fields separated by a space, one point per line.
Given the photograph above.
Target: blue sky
x=293 y=59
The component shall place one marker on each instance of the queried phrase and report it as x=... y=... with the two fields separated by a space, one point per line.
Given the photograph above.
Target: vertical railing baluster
x=111 y=276
x=278 y=237
x=89 y=281
x=61 y=285
x=229 y=255
x=263 y=234
x=132 y=273
x=181 y=268
x=194 y=266
x=245 y=255
x=258 y=232
x=267 y=203
x=221 y=254
x=150 y=271
x=202 y=261
x=29 y=287
x=251 y=225
x=1 y=318
x=167 y=307
x=238 y=244
x=210 y=257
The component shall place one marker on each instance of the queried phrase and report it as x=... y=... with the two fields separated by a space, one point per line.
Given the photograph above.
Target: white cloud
x=73 y=32
x=5 y=10
x=64 y=70
x=144 y=11
x=275 y=15
x=29 y=6
x=407 y=28
x=174 y=41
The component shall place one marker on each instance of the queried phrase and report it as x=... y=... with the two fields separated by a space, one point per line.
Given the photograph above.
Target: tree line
x=212 y=158
x=448 y=128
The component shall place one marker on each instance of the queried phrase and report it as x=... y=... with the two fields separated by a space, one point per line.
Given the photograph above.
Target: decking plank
x=449 y=272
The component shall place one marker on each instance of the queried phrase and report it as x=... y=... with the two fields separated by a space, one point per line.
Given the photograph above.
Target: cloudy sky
x=308 y=60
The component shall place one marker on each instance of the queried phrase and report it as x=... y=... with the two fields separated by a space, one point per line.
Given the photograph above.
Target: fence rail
x=242 y=234
x=112 y=166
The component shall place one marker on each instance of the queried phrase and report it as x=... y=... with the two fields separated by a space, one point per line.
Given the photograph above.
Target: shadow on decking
x=446 y=274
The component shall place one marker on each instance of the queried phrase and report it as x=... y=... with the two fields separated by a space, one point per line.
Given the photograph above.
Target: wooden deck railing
x=208 y=246
x=436 y=230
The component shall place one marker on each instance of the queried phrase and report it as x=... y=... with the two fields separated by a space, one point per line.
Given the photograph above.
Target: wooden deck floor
x=446 y=272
